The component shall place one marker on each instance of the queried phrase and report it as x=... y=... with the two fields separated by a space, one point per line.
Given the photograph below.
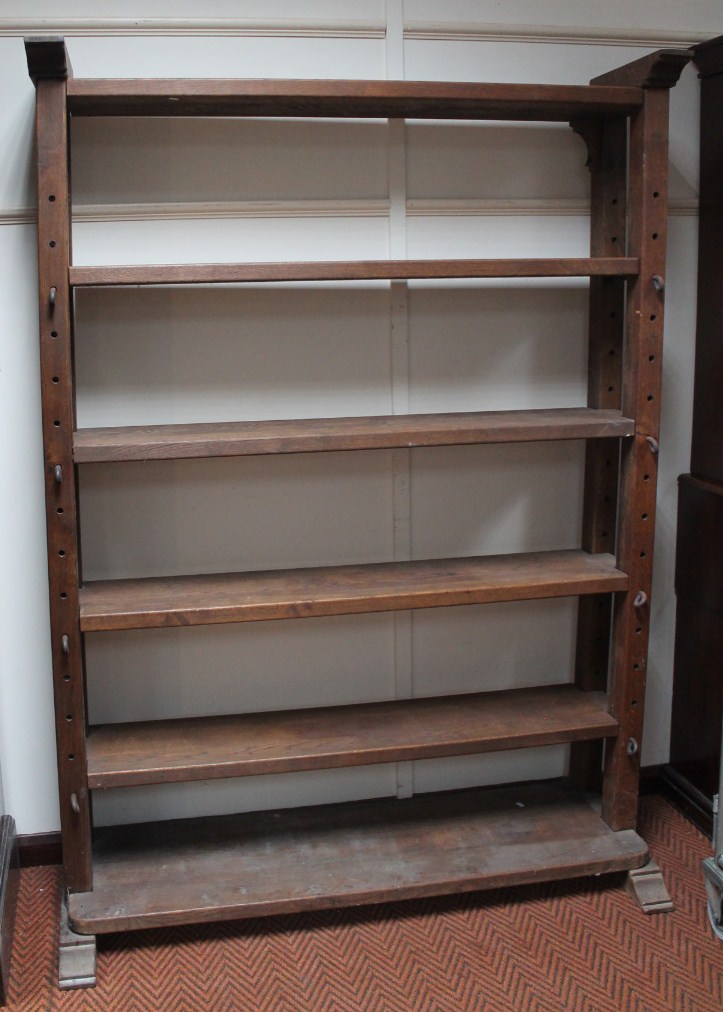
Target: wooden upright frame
x=623 y=118
x=49 y=68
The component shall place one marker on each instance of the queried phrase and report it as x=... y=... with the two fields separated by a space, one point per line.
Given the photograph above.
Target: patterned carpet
x=581 y=947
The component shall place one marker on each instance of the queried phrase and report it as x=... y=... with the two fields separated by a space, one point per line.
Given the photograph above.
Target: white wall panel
x=524 y=62
x=170 y=518
x=491 y=500
x=696 y=16
x=459 y=649
x=158 y=356
x=495 y=160
x=157 y=673
x=313 y=12
x=27 y=734
x=458 y=772
x=498 y=345
x=246 y=794
x=17 y=166
x=229 y=240
x=166 y=160
x=185 y=56
x=499 y=236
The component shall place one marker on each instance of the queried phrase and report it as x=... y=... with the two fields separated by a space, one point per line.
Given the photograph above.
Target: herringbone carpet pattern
x=537 y=949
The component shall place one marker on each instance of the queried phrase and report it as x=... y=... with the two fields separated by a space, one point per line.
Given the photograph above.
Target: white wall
x=321 y=190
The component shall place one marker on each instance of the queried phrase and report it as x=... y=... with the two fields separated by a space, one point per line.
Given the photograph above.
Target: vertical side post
x=48 y=66
x=646 y=234
x=647 y=213
x=399 y=318
x=607 y=148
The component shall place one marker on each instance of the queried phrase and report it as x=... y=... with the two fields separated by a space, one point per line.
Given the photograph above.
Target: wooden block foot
x=76 y=962
x=647 y=888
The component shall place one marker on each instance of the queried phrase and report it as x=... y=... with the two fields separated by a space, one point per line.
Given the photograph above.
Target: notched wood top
x=47 y=57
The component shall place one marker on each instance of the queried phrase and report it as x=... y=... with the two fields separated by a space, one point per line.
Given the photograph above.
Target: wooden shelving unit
x=240 y=866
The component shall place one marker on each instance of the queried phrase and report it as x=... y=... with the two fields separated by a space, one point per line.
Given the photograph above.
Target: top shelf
x=357 y=99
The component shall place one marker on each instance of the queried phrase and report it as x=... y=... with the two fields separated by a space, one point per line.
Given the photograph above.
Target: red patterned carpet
x=582 y=947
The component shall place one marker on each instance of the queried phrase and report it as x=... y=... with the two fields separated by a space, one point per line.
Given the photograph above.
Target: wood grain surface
x=200 y=748
x=350 y=270
x=345 y=855
x=59 y=421
x=221 y=439
x=340 y=590
x=642 y=388
x=378 y=99
x=607 y=147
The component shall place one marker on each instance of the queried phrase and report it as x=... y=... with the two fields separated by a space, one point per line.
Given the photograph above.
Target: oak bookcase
x=207 y=869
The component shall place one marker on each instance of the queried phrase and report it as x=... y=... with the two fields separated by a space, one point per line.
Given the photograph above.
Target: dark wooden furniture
x=698 y=686
x=209 y=869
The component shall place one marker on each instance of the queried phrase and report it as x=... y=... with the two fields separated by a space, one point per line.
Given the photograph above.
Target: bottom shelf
x=239 y=866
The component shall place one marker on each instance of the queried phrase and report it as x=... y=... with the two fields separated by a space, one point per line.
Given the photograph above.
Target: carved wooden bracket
x=589 y=130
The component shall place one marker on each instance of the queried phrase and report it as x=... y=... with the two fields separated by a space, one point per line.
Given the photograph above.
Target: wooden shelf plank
x=377 y=99
x=153 y=602
x=349 y=270
x=231 y=867
x=221 y=439
x=168 y=751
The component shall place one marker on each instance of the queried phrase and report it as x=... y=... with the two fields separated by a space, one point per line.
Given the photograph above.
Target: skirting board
x=9 y=879
x=686 y=797
x=36 y=849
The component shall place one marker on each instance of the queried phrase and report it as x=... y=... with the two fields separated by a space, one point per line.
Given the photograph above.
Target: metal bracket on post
x=76 y=962
x=647 y=888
